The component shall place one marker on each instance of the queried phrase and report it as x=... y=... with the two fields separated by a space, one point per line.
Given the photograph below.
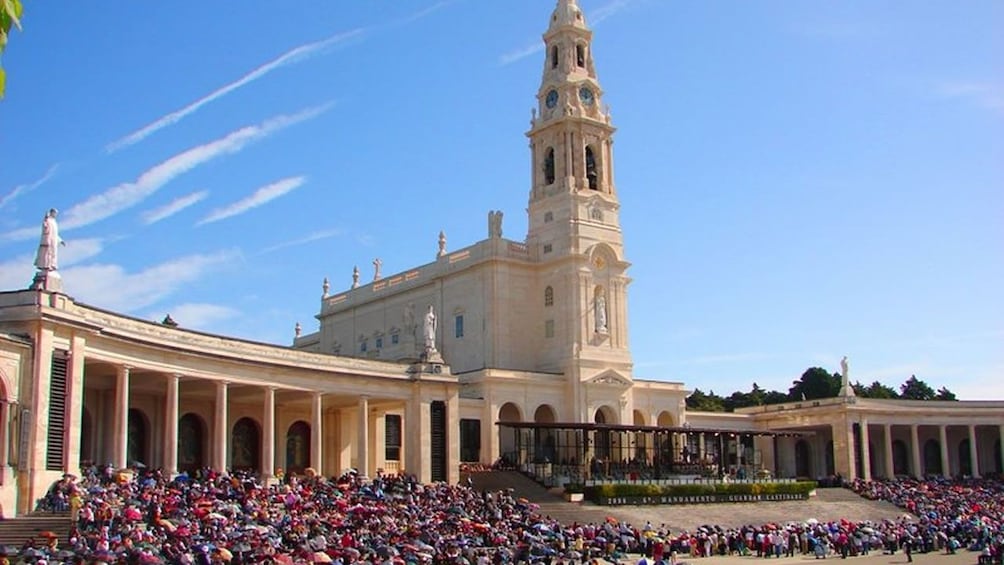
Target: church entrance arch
x=191 y=442
x=932 y=457
x=136 y=438
x=543 y=440
x=509 y=412
x=245 y=441
x=297 y=447
x=803 y=459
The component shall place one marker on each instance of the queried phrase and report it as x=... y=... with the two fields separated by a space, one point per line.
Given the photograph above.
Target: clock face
x=586 y=95
x=552 y=99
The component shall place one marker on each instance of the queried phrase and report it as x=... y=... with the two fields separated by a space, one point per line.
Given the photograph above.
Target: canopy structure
x=557 y=453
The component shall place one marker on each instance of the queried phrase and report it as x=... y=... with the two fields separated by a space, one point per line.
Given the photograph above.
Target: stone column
x=890 y=467
x=268 y=434
x=171 y=425
x=363 y=436
x=74 y=405
x=974 y=460
x=918 y=471
x=946 y=470
x=418 y=449
x=122 y=417
x=220 y=427
x=453 y=436
x=1000 y=433
x=316 y=434
x=866 y=460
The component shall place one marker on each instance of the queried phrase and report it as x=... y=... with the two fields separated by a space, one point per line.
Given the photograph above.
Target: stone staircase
x=15 y=531
x=550 y=501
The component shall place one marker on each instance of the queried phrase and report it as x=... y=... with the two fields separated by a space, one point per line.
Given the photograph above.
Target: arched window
x=554 y=57
x=549 y=166
x=548 y=296
x=580 y=55
x=245 y=446
x=136 y=438
x=190 y=437
x=298 y=447
x=591 y=173
x=932 y=457
x=548 y=217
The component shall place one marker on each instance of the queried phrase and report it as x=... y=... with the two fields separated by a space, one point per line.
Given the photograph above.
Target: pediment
x=610 y=378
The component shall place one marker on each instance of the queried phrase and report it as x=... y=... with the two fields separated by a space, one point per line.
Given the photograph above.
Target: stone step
x=17 y=531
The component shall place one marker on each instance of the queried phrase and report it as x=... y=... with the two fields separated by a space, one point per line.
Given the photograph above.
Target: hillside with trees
x=815 y=383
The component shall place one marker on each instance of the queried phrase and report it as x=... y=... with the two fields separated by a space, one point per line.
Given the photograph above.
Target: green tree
x=916 y=389
x=875 y=390
x=10 y=16
x=702 y=402
x=815 y=383
x=945 y=394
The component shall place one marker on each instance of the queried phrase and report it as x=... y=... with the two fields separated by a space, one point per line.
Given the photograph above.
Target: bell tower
x=574 y=228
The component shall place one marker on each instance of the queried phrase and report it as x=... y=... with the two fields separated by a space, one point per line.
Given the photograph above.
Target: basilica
x=507 y=350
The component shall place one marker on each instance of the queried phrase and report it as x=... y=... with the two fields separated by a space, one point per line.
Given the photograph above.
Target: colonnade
x=857 y=449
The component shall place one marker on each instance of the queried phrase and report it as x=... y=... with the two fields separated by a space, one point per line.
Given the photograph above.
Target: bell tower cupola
x=571 y=140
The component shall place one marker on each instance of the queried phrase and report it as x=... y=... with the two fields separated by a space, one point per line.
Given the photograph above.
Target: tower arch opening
x=592 y=170
x=549 y=166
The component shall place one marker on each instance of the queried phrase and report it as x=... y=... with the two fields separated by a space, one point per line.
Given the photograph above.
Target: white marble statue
x=601 y=313
x=355 y=276
x=325 y=288
x=377 y=263
x=442 y=244
x=429 y=329
x=47 y=257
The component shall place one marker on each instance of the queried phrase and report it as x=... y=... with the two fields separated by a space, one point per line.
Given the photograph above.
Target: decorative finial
x=325 y=288
x=169 y=321
x=495 y=224
x=355 y=276
x=297 y=329
x=442 y=244
x=376 y=269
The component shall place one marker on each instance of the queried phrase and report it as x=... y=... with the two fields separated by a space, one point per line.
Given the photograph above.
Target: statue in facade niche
x=47 y=257
x=429 y=329
x=601 y=313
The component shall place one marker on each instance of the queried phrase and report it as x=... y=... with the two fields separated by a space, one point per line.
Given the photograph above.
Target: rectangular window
x=470 y=440
x=379 y=342
x=549 y=328
x=362 y=347
x=394 y=339
x=459 y=326
x=547 y=248
x=392 y=437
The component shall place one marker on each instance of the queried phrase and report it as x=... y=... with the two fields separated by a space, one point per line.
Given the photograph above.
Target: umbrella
x=48 y=534
x=321 y=557
x=224 y=553
x=812 y=521
x=284 y=558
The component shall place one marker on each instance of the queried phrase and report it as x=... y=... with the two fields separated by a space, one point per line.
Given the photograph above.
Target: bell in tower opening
x=591 y=168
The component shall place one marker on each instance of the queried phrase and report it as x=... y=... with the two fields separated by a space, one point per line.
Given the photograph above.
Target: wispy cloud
x=172 y=208
x=729 y=358
x=607 y=11
x=981 y=94
x=419 y=14
x=295 y=55
x=197 y=316
x=260 y=197
x=595 y=18
x=28 y=187
x=521 y=53
x=111 y=287
x=316 y=236
x=128 y=194
x=17 y=272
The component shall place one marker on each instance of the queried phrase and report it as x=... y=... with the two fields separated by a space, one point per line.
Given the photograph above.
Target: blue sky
x=799 y=180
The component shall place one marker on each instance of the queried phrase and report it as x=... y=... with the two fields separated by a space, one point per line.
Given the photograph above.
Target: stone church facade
x=523 y=330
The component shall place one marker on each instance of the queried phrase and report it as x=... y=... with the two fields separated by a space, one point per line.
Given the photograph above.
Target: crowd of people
x=209 y=517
